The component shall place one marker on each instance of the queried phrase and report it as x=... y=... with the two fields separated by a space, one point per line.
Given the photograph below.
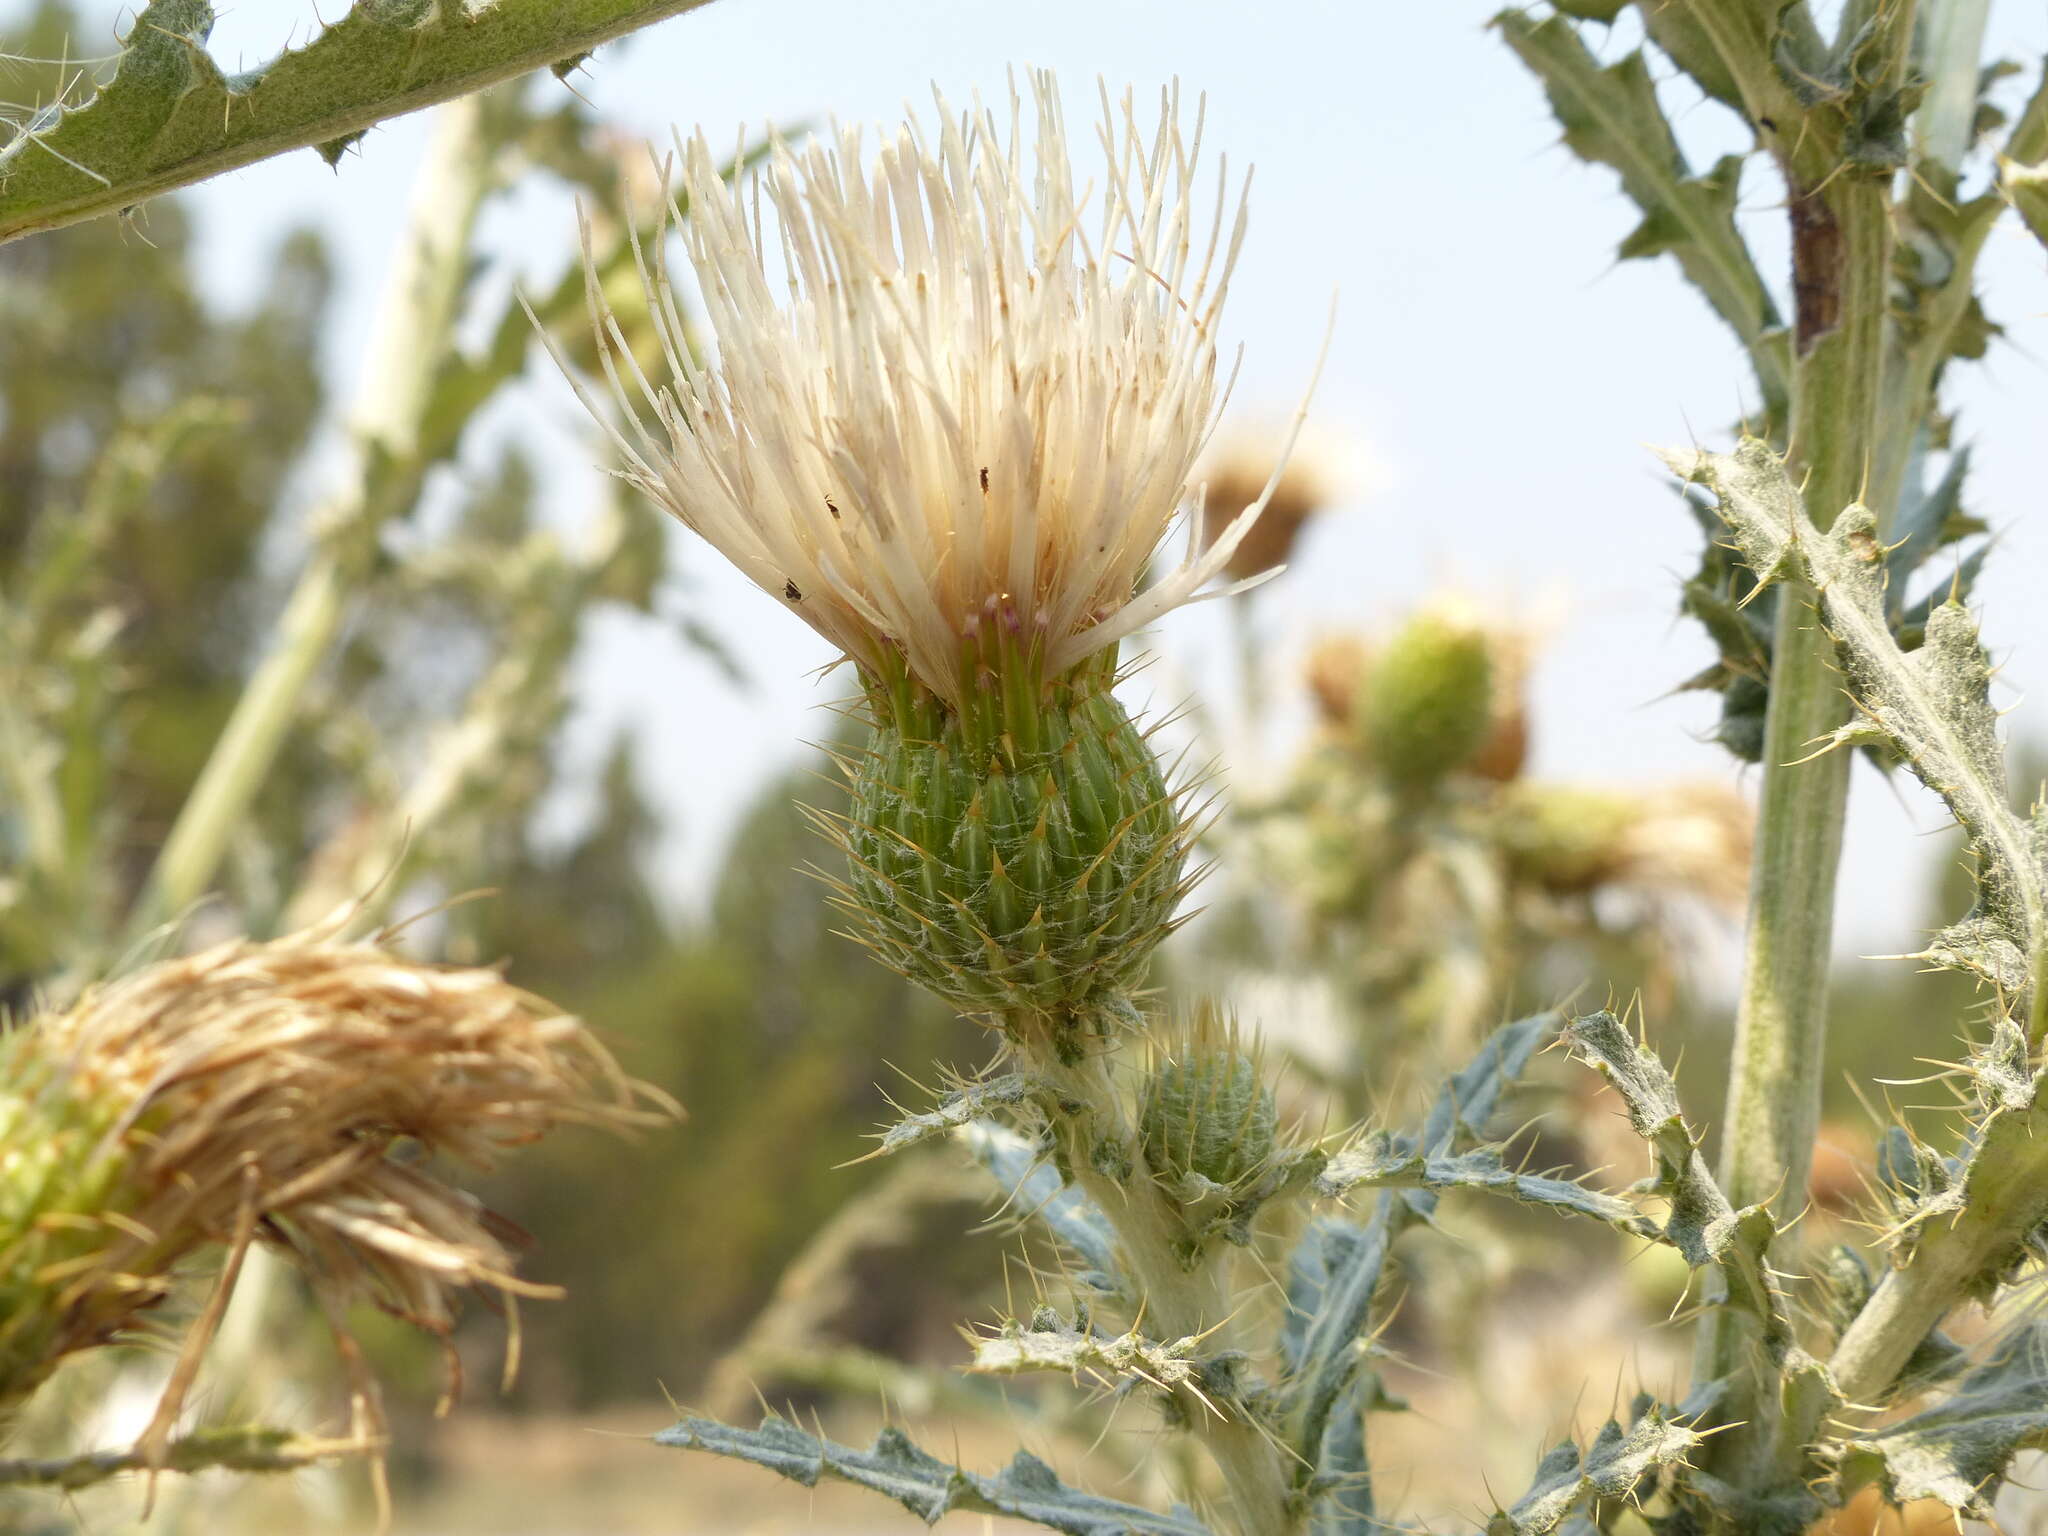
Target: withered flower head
x=285 y=1092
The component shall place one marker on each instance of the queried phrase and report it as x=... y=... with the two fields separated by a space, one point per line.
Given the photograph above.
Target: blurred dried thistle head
x=282 y=1092
x=1680 y=839
x=1239 y=467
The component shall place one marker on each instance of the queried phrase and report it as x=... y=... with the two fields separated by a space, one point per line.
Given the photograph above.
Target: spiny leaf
x=1466 y=1103
x=1033 y=1187
x=1998 y=1179
x=236 y=1448
x=1335 y=1270
x=1932 y=706
x=1960 y=1450
x=1679 y=32
x=170 y=116
x=1929 y=518
x=1610 y=116
x=1342 y=1485
x=2027 y=187
x=1027 y=1489
x=1380 y=1162
x=1076 y=1347
x=1702 y=1226
x=1333 y=1277
x=958 y=1108
x=1611 y=1468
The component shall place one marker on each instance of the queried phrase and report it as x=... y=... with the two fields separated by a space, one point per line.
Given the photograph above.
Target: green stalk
x=1841 y=251
x=413 y=333
x=2006 y=1206
x=1177 y=1300
x=1773 y=1108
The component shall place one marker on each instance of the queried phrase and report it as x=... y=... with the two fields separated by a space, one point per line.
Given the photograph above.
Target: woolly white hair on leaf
x=963 y=402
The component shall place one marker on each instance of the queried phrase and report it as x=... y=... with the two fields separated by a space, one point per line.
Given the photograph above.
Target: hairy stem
x=1948 y=1261
x=412 y=335
x=1177 y=1299
x=173 y=118
x=1841 y=243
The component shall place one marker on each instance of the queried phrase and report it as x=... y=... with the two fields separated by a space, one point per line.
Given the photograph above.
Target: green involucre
x=1011 y=869
x=1208 y=1111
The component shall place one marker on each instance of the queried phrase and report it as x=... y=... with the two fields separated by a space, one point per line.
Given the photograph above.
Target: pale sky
x=1498 y=372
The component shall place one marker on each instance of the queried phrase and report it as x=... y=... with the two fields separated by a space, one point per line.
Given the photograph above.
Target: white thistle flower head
x=956 y=442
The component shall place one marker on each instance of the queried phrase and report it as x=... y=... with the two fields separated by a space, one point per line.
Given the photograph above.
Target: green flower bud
x=1022 y=853
x=1427 y=701
x=1206 y=1109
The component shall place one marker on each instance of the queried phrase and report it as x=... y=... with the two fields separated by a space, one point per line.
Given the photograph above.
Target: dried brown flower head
x=1235 y=471
x=1680 y=839
x=283 y=1092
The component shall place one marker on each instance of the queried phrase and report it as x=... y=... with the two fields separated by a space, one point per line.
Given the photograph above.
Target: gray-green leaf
x=1612 y=1468
x=929 y=1488
x=1959 y=1451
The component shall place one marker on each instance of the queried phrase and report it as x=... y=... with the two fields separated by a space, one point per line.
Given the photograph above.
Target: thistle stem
x=1178 y=1299
x=411 y=339
x=344 y=85
x=1841 y=241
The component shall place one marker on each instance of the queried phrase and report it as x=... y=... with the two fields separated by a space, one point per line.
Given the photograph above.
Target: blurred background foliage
x=1393 y=891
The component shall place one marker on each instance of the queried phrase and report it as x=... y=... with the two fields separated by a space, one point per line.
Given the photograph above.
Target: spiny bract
x=1206 y=1108
x=1023 y=864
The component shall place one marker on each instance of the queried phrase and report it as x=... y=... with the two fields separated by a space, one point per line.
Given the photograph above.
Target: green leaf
x=1380 y=1162
x=1334 y=1272
x=235 y=1448
x=1027 y=1489
x=170 y=116
x=2027 y=188
x=1961 y=1450
x=1342 y=1485
x=1466 y=1103
x=1333 y=1277
x=1932 y=705
x=1613 y=1467
x=1928 y=520
x=1676 y=29
x=1610 y=116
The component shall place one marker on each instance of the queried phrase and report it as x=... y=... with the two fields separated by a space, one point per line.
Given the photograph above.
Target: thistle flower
x=978 y=406
x=952 y=450
x=265 y=1090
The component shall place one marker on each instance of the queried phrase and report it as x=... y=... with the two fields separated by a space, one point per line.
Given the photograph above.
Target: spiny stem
x=152 y=134
x=1179 y=1300
x=1841 y=243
